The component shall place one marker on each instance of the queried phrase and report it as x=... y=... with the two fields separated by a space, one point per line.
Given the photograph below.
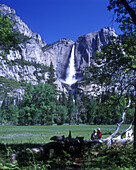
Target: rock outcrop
x=86 y=46
x=59 y=54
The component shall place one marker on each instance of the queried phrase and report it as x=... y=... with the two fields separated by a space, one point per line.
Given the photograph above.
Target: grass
x=42 y=134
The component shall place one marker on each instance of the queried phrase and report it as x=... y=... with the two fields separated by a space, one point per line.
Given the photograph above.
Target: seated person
x=99 y=134
x=94 y=135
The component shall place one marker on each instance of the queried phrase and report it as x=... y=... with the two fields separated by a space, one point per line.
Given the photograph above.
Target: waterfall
x=70 y=71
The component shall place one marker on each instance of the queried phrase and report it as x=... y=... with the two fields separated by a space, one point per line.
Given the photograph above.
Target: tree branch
x=131 y=12
x=127 y=129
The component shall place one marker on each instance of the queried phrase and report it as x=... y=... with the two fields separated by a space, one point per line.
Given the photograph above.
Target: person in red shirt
x=99 y=133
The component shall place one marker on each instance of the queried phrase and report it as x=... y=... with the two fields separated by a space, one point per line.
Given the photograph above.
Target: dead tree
x=128 y=133
x=110 y=140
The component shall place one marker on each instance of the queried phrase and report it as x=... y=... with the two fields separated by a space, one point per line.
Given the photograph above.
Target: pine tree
x=71 y=109
x=8 y=38
x=51 y=76
x=13 y=114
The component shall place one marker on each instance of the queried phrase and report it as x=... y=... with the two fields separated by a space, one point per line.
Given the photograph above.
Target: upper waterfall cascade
x=71 y=72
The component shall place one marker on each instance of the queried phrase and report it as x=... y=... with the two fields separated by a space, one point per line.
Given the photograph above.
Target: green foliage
x=116 y=68
x=20 y=38
x=8 y=85
x=61 y=110
x=110 y=110
x=125 y=14
x=51 y=76
x=63 y=99
x=13 y=114
x=114 y=157
x=41 y=106
x=71 y=109
x=91 y=107
x=9 y=38
x=38 y=104
x=61 y=114
x=47 y=46
x=28 y=63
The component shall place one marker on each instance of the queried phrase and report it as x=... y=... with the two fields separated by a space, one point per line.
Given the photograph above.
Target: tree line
x=42 y=104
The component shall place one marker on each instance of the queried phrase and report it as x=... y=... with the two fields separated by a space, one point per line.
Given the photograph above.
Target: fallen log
x=48 y=150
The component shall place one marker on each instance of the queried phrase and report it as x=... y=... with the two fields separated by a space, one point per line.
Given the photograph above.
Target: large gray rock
x=86 y=46
x=31 y=51
x=59 y=54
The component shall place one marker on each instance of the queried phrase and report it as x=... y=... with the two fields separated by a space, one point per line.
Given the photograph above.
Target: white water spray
x=71 y=72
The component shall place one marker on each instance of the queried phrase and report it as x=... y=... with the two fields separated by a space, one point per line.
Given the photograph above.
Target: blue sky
x=56 y=19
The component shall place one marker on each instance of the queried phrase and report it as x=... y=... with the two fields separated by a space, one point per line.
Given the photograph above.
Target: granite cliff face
x=29 y=62
x=59 y=54
x=86 y=46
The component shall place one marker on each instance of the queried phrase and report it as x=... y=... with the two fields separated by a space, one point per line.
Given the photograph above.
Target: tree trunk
x=135 y=120
x=109 y=140
x=128 y=136
x=126 y=131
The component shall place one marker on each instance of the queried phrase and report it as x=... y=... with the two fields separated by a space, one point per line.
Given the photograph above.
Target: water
x=71 y=72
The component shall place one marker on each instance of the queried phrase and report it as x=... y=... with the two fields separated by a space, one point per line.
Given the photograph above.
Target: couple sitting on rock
x=97 y=134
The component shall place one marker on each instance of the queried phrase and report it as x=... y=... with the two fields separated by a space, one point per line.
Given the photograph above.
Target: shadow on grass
x=18 y=147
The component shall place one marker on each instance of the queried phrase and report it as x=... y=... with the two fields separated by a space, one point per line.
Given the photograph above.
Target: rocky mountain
x=30 y=61
x=86 y=46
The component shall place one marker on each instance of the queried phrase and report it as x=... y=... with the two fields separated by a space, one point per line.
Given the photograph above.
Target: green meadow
x=42 y=134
